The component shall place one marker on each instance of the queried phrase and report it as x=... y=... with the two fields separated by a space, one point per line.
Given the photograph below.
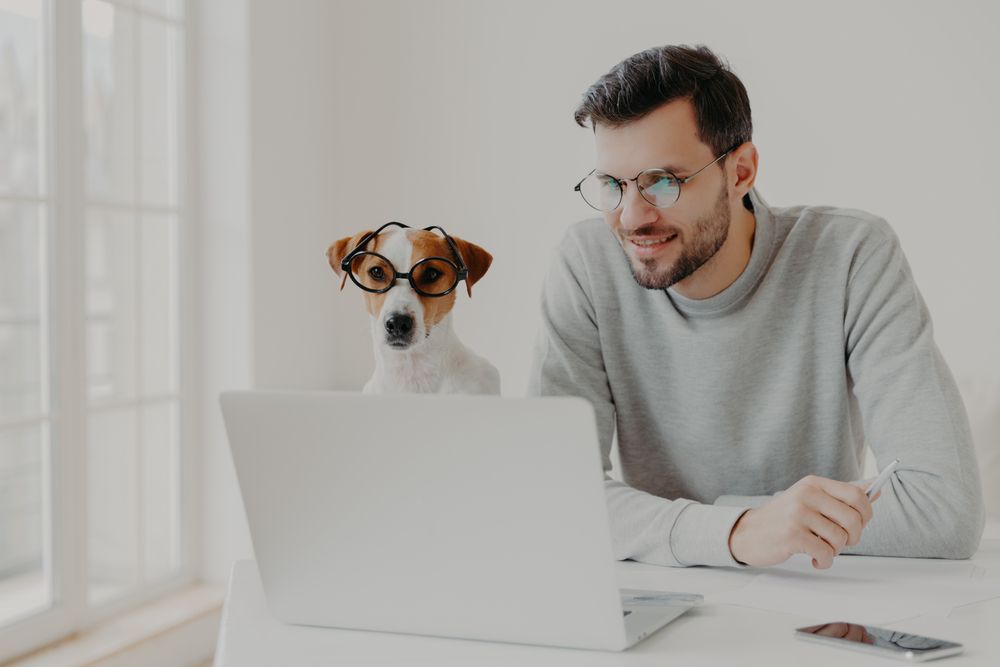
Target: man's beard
x=707 y=237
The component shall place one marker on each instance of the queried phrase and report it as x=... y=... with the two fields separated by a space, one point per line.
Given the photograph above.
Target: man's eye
x=376 y=273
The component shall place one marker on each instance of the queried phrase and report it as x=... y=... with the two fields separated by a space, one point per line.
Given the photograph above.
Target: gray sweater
x=821 y=348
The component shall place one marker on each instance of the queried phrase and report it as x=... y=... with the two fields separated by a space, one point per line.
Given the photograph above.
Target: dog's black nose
x=398 y=326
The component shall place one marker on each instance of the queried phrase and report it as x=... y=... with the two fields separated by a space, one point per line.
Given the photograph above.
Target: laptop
x=469 y=517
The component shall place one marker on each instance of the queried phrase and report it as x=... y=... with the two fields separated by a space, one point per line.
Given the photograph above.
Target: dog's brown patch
x=338 y=250
x=336 y=254
x=428 y=244
x=476 y=259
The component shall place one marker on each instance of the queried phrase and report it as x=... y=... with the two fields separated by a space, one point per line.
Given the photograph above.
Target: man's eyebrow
x=671 y=168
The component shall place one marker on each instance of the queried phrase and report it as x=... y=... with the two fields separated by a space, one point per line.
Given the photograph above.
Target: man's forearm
x=925 y=515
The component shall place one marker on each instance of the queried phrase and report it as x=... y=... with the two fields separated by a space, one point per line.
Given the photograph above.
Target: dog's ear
x=476 y=259
x=336 y=253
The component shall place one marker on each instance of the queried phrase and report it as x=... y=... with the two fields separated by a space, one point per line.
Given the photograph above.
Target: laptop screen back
x=458 y=516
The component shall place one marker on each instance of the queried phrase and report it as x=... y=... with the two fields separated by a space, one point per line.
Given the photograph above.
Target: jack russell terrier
x=416 y=349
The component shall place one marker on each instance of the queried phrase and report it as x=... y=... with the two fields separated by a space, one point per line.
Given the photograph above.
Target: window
x=91 y=229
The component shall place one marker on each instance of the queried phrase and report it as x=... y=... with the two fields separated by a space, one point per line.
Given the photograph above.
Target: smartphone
x=879 y=641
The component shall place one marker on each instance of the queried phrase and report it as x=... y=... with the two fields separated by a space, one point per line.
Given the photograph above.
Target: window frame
x=65 y=405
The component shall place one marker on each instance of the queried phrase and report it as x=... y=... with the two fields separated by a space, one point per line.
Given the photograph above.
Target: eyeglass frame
x=462 y=271
x=623 y=183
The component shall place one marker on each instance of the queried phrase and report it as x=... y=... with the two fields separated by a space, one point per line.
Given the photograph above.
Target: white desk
x=713 y=634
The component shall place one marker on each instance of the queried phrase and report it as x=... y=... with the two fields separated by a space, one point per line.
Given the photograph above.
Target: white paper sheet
x=863 y=589
x=701 y=580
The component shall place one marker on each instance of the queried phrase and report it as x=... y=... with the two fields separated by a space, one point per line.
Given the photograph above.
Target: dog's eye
x=430 y=275
x=376 y=273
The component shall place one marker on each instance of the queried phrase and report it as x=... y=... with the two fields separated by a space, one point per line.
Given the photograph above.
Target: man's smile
x=643 y=246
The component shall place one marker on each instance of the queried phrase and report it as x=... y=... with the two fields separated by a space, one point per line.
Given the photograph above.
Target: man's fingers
x=829 y=531
x=853 y=496
x=821 y=552
x=849 y=494
x=842 y=514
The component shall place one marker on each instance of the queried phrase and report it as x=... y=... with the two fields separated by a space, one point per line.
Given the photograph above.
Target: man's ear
x=336 y=253
x=476 y=260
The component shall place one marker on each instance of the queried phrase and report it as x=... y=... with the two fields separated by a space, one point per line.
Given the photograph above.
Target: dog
x=416 y=348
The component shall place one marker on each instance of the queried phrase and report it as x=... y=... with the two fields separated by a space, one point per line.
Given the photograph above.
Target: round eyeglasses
x=431 y=276
x=659 y=187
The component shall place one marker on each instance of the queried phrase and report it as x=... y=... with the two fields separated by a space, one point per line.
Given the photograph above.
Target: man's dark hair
x=643 y=82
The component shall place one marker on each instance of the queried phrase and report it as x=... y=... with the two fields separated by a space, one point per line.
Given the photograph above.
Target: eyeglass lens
x=371 y=271
x=604 y=193
x=433 y=276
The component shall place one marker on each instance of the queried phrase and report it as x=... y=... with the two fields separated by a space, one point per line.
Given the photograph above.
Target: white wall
x=220 y=194
x=416 y=111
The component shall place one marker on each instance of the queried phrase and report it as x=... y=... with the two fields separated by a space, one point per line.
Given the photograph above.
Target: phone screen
x=877 y=638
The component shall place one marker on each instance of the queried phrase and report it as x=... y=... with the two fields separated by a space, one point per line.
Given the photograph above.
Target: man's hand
x=816 y=516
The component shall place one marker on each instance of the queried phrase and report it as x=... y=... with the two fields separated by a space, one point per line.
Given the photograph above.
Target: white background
x=317 y=119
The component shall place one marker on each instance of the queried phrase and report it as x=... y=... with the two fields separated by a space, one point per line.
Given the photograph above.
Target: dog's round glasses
x=431 y=276
x=659 y=187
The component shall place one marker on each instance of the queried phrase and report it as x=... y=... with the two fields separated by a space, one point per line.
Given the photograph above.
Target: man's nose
x=635 y=211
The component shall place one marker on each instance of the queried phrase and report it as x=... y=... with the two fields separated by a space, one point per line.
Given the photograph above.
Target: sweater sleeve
x=910 y=409
x=568 y=361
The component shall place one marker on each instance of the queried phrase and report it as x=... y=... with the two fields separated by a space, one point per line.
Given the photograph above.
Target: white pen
x=882 y=478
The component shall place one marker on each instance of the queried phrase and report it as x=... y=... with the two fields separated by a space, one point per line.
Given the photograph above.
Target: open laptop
x=454 y=516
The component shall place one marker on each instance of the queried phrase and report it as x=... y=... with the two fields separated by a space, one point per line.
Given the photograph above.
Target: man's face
x=665 y=245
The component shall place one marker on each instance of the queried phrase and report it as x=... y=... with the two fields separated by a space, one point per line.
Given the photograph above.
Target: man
x=746 y=354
